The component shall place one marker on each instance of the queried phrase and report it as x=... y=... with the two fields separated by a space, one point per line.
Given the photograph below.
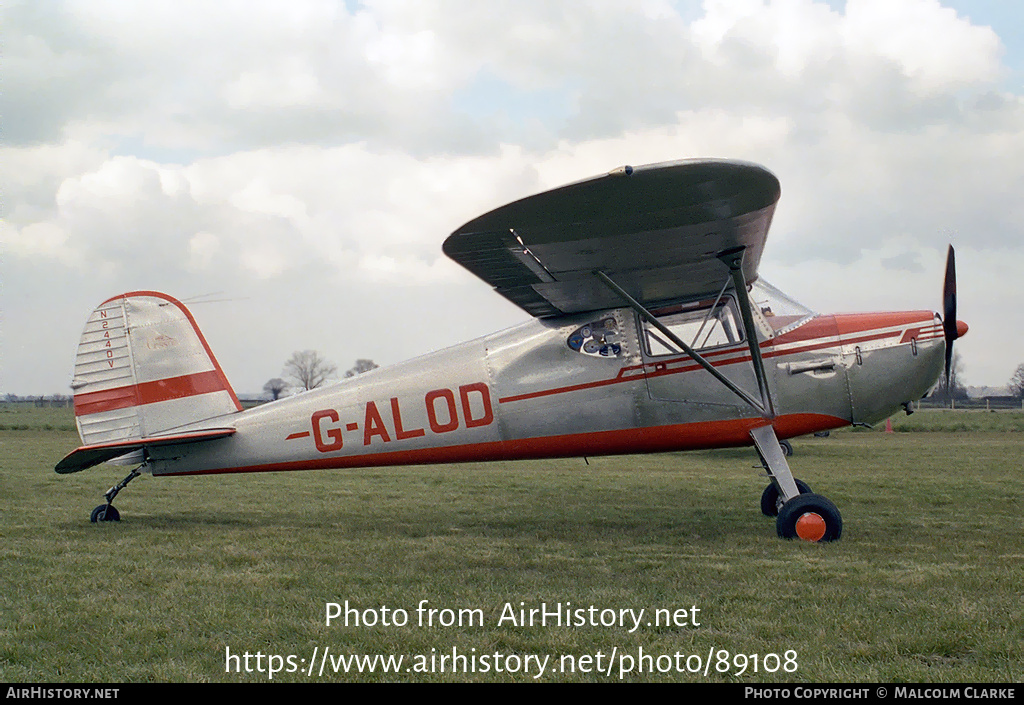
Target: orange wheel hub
x=810 y=527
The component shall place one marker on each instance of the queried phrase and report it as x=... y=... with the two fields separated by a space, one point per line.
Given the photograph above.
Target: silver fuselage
x=526 y=393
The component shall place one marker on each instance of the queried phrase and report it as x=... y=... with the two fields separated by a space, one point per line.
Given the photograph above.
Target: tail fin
x=144 y=369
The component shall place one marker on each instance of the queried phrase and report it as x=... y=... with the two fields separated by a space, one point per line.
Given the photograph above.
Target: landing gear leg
x=774 y=460
x=801 y=514
x=107 y=512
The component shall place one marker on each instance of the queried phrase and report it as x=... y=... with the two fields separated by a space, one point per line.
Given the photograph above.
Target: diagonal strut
x=697 y=357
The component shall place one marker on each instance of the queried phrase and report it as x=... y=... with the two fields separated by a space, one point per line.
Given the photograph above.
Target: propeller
x=949 y=326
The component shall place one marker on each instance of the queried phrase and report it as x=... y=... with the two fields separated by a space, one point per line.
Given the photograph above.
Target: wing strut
x=649 y=317
x=733 y=259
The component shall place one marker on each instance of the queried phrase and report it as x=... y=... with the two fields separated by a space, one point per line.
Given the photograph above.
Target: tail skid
x=145 y=375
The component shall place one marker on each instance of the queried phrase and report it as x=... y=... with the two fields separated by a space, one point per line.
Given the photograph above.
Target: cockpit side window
x=697 y=324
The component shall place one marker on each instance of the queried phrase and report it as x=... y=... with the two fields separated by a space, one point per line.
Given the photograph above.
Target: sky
x=290 y=169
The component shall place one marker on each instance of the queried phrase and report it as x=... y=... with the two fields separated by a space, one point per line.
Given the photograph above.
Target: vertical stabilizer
x=143 y=368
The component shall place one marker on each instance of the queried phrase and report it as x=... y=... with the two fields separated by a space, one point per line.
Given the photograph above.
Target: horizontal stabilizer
x=87 y=456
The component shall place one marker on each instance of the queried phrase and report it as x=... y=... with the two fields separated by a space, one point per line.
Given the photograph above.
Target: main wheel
x=810 y=517
x=104 y=512
x=787 y=448
x=770 y=497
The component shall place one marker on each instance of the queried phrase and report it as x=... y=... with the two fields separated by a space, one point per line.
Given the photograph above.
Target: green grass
x=949 y=420
x=25 y=417
x=925 y=585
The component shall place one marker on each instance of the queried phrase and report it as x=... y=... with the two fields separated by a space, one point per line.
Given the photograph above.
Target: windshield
x=781 y=312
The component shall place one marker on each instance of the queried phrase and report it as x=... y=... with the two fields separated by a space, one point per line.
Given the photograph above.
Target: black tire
x=104 y=512
x=809 y=507
x=787 y=448
x=770 y=497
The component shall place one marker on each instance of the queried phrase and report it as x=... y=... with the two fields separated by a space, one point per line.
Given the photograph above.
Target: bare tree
x=952 y=389
x=361 y=367
x=1017 y=382
x=308 y=369
x=275 y=388
x=957 y=390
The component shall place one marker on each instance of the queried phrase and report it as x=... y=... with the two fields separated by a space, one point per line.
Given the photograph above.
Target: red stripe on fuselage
x=693 y=436
x=150 y=392
x=858 y=322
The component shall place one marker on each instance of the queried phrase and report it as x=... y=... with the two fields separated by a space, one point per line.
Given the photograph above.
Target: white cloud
x=937 y=50
x=37 y=240
x=202 y=248
x=309 y=146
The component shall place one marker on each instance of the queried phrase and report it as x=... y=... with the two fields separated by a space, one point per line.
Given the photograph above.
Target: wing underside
x=657 y=230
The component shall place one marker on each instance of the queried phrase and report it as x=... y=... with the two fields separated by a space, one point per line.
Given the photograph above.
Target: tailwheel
x=770 y=497
x=105 y=512
x=810 y=517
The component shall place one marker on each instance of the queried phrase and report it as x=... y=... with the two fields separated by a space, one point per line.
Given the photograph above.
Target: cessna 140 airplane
x=651 y=332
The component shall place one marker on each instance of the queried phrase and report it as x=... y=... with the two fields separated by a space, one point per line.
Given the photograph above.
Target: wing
x=655 y=230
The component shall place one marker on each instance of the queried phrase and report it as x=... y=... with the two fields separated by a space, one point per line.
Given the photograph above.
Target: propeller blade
x=949 y=309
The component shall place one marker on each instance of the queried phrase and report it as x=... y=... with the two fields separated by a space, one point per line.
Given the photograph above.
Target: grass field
x=925 y=585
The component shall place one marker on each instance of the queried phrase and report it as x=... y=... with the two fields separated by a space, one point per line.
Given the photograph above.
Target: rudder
x=143 y=368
